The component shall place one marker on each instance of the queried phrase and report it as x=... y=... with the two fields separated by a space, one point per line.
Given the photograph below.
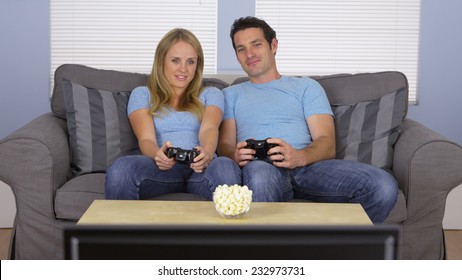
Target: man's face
x=253 y=52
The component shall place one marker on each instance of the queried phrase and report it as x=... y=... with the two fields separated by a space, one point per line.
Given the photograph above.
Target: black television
x=257 y=242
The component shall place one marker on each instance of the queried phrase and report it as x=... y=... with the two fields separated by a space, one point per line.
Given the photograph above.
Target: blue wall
x=440 y=68
x=25 y=56
x=228 y=11
x=24 y=62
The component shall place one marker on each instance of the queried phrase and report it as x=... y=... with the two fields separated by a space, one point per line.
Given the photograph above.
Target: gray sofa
x=36 y=161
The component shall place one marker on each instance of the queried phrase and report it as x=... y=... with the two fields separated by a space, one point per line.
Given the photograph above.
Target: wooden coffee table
x=128 y=212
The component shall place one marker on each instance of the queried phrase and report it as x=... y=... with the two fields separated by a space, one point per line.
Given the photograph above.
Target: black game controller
x=180 y=155
x=261 y=148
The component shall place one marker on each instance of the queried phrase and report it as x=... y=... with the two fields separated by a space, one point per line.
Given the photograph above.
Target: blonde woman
x=173 y=111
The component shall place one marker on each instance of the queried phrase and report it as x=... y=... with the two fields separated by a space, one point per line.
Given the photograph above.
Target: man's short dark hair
x=250 y=22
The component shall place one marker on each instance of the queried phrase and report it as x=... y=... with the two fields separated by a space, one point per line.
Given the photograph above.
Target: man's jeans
x=336 y=181
x=138 y=177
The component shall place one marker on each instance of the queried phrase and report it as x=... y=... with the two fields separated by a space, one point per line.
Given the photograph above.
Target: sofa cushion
x=214 y=82
x=99 y=130
x=366 y=131
x=76 y=195
x=110 y=80
x=346 y=89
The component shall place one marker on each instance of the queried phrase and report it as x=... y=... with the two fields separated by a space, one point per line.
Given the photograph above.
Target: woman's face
x=180 y=66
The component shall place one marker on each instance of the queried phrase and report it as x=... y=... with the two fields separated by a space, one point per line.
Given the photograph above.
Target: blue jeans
x=138 y=177
x=336 y=181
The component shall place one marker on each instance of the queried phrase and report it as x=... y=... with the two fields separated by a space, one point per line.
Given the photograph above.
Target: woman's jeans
x=336 y=181
x=138 y=177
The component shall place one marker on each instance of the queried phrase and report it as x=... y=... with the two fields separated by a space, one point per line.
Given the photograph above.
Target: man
x=294 y=114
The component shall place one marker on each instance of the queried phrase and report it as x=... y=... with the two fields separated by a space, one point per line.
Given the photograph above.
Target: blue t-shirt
x=277 y=109
x=181 y=128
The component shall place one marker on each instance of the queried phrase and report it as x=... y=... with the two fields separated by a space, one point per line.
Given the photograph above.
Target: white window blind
x=329 y=37
x=123 y=34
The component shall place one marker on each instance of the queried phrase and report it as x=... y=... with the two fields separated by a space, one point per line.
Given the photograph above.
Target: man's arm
x=322 y=131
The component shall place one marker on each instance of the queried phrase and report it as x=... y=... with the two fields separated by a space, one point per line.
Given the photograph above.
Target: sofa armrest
x=425 y=163
x=34 y=162
x=427 y=167
x=36 y=155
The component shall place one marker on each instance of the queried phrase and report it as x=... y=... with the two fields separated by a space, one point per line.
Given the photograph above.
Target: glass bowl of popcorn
x=232 y=201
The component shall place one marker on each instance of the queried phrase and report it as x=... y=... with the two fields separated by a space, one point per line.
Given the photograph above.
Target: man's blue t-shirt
x=277 y=109
x=180 y=128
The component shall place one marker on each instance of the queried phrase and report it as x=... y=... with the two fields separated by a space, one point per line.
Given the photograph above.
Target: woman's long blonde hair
x=159 y=87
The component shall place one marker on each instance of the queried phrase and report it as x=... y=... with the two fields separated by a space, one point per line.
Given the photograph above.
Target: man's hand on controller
x=243 y=155
x=202 y=161
x=284 y=155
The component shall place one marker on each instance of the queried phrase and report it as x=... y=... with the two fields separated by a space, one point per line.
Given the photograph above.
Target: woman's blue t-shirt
x=180 y=128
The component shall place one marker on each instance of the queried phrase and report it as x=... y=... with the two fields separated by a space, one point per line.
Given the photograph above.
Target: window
x=329 y=36
x=122 y=35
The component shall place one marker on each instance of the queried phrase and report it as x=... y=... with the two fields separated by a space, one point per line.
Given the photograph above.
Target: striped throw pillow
x=99 y=130
x=367 y=131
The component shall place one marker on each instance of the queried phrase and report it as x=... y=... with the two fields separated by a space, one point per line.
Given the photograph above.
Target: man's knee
x=387 y=189
x=266 y=181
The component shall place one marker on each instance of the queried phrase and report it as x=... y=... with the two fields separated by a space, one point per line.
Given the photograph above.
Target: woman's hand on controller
x=162 y=161
x=201 y=161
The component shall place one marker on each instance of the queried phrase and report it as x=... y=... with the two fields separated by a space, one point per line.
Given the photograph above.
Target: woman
x=174 y=110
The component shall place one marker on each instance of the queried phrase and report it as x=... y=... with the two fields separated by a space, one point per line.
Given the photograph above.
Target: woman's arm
x=143 y=126
x=208 y=137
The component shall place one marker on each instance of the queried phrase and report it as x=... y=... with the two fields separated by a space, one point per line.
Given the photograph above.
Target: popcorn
x=232 y=201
